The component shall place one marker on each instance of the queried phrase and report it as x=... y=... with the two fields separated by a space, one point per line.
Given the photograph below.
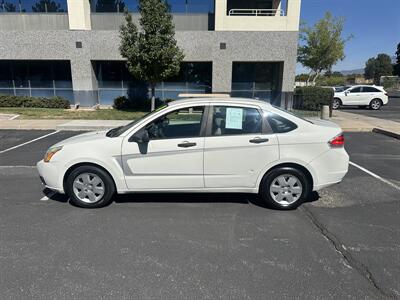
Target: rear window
x=280 y=124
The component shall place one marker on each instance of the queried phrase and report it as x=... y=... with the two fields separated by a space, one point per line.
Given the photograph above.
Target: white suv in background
x=362 y=96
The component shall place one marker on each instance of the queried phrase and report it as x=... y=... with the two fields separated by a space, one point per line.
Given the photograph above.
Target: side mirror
x=141 y=136
x=346 y=93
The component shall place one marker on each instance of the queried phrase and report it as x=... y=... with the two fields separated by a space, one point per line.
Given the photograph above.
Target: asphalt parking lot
x=343 y=243
x=387 y=112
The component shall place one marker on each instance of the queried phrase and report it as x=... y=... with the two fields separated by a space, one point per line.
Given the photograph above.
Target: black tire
x=375 y=104
x=269 y=179
x=336 y=103
x=109 y=187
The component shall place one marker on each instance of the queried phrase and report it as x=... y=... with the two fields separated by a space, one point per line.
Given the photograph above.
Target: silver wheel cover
x=375 y=104
x=286 y=189
x=88 y=187
x=335 y=104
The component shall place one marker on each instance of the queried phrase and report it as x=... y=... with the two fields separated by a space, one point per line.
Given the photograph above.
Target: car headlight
x=49 y=154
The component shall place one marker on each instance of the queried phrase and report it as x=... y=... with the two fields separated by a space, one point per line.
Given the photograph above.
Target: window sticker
x=234 y=118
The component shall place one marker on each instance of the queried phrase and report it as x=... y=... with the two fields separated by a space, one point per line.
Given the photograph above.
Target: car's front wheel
x=285 y=188
x=90 y=187
x=375 y=104
x=336 y=103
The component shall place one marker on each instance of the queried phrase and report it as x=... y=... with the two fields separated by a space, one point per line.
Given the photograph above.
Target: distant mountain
x=355 y=71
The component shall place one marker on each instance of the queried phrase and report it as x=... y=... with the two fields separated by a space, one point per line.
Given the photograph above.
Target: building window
x=114 y=80
x=36 y=78
x=177 y=6
x=260 y=80
x=35 y=6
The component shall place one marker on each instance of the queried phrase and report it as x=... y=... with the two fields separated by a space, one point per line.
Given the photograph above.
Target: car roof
x=233 y=100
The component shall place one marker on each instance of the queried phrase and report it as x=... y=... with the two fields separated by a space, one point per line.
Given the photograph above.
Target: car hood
x=84 y=137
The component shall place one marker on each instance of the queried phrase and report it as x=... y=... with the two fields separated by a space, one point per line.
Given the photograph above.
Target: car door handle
x=258 y=140
x=186 y=145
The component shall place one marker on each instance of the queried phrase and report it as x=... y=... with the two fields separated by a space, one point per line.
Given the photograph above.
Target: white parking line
x=28 y=142
x=376 y=176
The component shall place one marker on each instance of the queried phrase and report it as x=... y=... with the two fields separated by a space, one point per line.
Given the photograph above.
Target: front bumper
x=50 y=176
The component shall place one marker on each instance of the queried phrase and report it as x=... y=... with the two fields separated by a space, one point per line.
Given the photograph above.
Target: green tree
x=47 y=6
x=377 y=67
x=110 y=5
x=323 y=45
x=7 y=7
x=396 y=70
x=152 y=53
x=301 y=77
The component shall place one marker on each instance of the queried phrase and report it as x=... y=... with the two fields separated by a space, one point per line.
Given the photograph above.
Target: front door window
x=182 y=123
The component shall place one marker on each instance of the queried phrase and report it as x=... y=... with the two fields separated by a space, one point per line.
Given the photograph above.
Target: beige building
x=69 y=48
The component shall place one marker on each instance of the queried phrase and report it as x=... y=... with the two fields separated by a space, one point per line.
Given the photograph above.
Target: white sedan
x=361 y=95
x=201 y=145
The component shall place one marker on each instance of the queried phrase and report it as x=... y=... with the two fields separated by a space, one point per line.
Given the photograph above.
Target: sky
x=375 y=25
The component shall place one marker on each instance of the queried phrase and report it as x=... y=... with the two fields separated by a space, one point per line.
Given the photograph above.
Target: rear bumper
x=50 y=176
x=330 y=168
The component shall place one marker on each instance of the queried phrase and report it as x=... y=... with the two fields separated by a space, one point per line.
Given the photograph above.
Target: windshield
x=292 y=113
x=120 y=130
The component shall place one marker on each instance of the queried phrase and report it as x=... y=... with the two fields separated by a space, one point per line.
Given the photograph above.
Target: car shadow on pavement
x=361 y=107
x=239 y=198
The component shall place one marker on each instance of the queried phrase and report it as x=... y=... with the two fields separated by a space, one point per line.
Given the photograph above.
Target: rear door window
x=370 y=89
x=232 y=120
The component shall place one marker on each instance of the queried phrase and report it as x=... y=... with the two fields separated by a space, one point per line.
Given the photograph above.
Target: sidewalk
x=355 y=122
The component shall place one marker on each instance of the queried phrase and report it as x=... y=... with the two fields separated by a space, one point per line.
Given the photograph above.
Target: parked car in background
x=201 y=145
x=341 y=88
x=371 y=96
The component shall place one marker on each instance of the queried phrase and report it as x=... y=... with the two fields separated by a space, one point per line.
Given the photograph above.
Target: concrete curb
x=387 y=133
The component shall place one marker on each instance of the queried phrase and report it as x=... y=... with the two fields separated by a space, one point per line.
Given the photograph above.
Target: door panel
x=353 y=97
x=164 y=164
x=235 y=161
x=237 y=147
x=173 y=156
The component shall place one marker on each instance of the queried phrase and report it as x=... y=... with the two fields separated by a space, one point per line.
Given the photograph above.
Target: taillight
x=337 y=141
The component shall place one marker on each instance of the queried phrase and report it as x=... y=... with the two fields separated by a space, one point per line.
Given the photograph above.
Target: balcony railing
x=256 y=12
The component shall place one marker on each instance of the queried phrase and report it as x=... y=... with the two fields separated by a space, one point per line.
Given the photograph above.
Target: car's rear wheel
x=90 y=187
x=336 y=103
x=285 y=188
x=375 y=104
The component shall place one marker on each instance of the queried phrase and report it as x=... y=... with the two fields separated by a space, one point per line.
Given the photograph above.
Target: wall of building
x=34 y=21
x=197 y=46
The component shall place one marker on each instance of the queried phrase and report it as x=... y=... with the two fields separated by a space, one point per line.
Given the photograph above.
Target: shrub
x=312 y=98
x=37 y=102
x=121 y=102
